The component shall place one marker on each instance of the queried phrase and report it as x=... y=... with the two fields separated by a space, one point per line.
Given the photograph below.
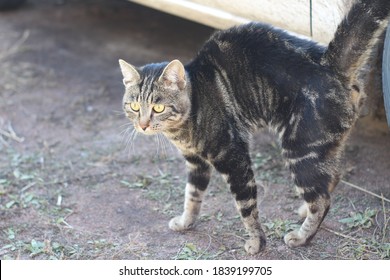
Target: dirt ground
x=72 y=185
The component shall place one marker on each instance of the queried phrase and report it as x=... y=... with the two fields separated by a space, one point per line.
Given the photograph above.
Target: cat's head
x=156 y=97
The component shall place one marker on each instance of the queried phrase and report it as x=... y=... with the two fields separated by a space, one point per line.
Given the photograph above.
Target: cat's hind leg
x=314 y=186
x=315 y=211
x=303 y=209
x=199 y=173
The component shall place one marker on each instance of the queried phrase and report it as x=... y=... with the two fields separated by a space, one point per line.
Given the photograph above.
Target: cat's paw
x=255 y=245
x=294 y=239
x=179 y=224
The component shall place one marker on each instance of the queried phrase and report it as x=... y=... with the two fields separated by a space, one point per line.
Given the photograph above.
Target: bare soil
x=73 y=187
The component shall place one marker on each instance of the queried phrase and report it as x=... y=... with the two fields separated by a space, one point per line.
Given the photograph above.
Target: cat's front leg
x=198 y=179
x=236 y=169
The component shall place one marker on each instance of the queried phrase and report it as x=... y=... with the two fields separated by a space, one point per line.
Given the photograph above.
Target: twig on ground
x=339 y=233
x=178 y=252
x=217 y=240
x=366 y=191
x=30 y=185
x=3 y=141
x=208 y=246
x=16 y=46
x=385 y=220
x=11 y=134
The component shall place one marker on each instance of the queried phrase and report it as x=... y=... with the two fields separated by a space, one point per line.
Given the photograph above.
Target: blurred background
x=74 y=184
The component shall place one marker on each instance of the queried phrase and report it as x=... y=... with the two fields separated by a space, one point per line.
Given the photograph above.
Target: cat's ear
x=174 y=76
x=131 y=76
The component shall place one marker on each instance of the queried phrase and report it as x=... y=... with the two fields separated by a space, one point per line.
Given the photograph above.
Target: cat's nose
x=144 y=126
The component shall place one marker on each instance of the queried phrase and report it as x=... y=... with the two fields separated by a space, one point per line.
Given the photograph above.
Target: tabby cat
x=249 y=77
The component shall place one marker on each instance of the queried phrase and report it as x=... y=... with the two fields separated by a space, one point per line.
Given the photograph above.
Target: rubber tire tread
x=386 y=74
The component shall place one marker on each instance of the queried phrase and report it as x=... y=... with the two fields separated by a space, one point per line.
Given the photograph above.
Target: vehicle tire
x=10 y=4
x=386 y=74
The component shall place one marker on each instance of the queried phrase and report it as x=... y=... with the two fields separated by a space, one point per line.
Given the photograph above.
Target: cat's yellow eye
x=158 y=108
x=135 y=106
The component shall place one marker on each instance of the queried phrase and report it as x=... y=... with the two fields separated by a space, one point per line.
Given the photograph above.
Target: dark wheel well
x=10 y=4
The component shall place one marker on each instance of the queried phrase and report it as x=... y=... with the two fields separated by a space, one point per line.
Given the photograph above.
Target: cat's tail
x=356 y=36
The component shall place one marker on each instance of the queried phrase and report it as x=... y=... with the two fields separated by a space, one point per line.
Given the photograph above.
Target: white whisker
x=130 y=141
x=158 y=144
x=118 y=113
x=168 y=143
x=126 y=124
x=124 y=132
x=164 y=151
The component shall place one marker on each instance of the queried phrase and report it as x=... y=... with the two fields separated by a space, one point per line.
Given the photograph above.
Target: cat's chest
x=184 y=145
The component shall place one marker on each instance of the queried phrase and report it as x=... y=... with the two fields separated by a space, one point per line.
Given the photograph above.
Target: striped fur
x=252 y=76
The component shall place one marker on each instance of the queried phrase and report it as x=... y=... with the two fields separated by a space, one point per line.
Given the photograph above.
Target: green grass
x=33 y=185
x=161 y=188
x=367 y=235
x=360 y=219
x=278 y=228
x=364 y=249
x=190 y=251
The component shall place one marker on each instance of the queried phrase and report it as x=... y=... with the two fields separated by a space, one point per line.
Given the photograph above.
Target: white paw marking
x=294 y=239
x=177 y=224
